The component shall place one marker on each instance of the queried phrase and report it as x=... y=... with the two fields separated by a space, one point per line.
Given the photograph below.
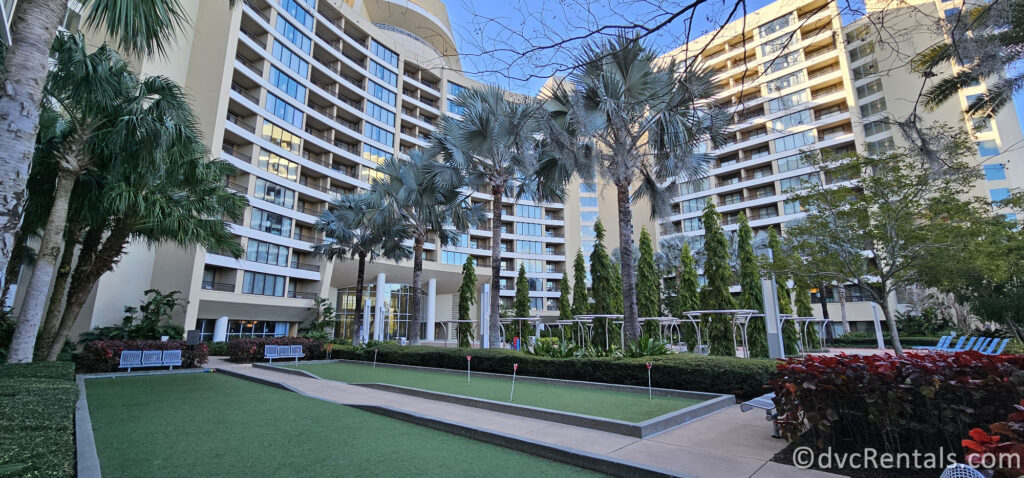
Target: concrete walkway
x=725 y=444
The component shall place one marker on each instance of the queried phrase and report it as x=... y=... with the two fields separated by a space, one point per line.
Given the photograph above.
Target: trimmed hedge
x=894 y=403
x=871 y=342
x=744 y=378
x=37 y=419
x=251 y=350
x=105 y=355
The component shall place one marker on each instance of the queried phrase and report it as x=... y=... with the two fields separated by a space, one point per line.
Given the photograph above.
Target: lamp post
x=771 y=311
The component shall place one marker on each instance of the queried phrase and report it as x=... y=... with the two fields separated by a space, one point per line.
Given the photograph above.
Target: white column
x=431 y=305
x=220 y=330
x=378 y=316
x=485 y=310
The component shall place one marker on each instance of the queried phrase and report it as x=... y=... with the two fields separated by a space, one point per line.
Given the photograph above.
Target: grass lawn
x=209 y=424
x=626 y=406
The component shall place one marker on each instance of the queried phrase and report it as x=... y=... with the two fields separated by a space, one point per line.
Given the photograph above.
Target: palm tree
x=639 y=121
x=411 y=195
x=353 y=229
x=139 y=27
x=496 y=144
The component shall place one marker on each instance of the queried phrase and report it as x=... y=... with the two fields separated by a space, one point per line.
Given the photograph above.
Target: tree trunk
x=13 y=266
x=360 y=326
x=27 y=62
x=84 y=280
x=34 y=303
x=417 y=278
x=891 y=322
x=842 y=309
x=630 y=320
x=57 y=296
x=493 y=326
x=829 y=334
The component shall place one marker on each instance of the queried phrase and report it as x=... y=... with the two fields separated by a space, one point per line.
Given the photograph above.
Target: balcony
x=232 y=118
x=312 y=211
x=218 y=286
x=241 y=90
x=231 y=151
x=235 y=186
x=250 y=65
x=301 y=295
x=306 y=182
x=306 y=238
x=252 y=36
x=306 y=267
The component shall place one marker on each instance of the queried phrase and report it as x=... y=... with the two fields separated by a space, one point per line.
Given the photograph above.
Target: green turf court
x=209 y=424
x=625 y=406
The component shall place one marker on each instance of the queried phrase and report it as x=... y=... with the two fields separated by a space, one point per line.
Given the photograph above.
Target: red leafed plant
x=916 y=401
x=1004 y=447
x=251 y=349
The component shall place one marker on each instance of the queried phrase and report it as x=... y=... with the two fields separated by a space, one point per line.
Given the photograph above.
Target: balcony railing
x=305 y=237
x=312 y=211
x=306 y=267
x=218 y=286
x=253 y=37
x=235 y=186
x=301 y=295
x=230 y=149
x=307 y=183
x=241 y=90
x=232 y=118
x=248 y=64
x=256 y=9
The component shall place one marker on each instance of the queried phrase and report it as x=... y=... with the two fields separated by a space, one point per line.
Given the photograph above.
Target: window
x=278 y=165
x=588 y=202
x=283 y=110
x=379 y=113
x=858 y=33
x=588 y=216
x=862 y=51
x=536 y=302
x=262 y=284
x=873 y=108
x=790 y=163
x=799 y=182
x=994 y=172
x=732 y=198
x=876 y=127
x=787 y=81
x=981 y=125
x=869 y=88
x=588 y=247
x=999 y=194
x=269 y=222
x=692 y=224
x=528 y=229
x=286 y=84
x=290 y=59
x=531 y=265
x=988 y=148
x=456 y=108
x=792 y=207
x=761 y=172
x=588 y=188
x=782 y=62
x=292 y=34
x=380 y=92
x=378 y=134
x=794 y=141
x=788 y=101
x=449 y=257
x=791 y=120
x=375 y=155
x=274 y=193
x=298 y=13
x=529 y=247
x=773 y=26
x=694 y=186
x=881 y=146
x=778 y=44
x=280 y=137
x=694 y=205
x=454 y=88
x=865 y=70
x=833 y=132
x=384 y=53
x=266 y=253
x=759 y=152
x=383 y=73
x=534 y=212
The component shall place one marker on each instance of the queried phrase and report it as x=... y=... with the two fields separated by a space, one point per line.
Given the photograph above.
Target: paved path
x=725 y=444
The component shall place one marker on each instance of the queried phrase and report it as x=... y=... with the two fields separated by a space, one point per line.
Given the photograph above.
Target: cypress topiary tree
x=467 y=297
x=803 y=309
x=521 y=305
x=750 y=284
x=790 y=336
x=580 y=297
x=606 y=290
x=715 y=294
x=648 y=285
x=687 y=298
x=564 y=298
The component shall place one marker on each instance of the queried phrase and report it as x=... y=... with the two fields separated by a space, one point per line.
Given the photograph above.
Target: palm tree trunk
x=84 y=279
x=27 y=61
x=630 y=320
x=359 y=298
x=842 y=309
x=417 y=278
x=60 y=287
x=493 y=326
x=33 y=306
x=13 y=266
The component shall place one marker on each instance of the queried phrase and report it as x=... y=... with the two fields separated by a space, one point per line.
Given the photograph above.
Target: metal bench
x=296 y=352
x=271 y=352
x=149 y=358
x=764 y=402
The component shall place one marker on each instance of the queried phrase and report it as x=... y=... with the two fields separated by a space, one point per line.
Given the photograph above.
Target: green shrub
x=37 y=419
x=105 y=356
x=217 y=349
x=646 y=346
x=861 y=340
x=742 y=377
x=251 y=349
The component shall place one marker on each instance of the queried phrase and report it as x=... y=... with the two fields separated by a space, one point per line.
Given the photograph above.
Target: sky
x=512 y=26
